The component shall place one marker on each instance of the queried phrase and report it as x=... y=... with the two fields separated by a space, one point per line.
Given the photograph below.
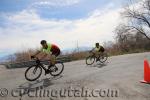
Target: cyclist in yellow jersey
x=50 y=50
x=98 y=49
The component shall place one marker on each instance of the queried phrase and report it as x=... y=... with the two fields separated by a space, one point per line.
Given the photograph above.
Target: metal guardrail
x=31 y=63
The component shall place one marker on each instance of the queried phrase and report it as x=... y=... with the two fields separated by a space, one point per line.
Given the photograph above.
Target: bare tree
x=122 y=35
x=139 y=17
x=128 y=39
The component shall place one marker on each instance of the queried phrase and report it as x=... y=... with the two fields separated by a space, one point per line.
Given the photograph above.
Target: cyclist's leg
x=53 y=56
x=102 y=52
x=96 y=53
x=52 y=60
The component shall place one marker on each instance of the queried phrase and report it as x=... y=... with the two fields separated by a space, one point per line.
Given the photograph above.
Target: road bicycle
x=92 y=58
x=32 y=73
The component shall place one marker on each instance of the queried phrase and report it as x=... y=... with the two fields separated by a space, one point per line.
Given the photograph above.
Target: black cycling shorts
x=102 y=49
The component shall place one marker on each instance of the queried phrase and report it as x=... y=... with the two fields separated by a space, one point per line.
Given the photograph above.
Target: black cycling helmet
x=43 y=42
x=96 y=43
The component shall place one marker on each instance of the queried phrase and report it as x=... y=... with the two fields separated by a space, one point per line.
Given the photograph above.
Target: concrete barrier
x=31 y=63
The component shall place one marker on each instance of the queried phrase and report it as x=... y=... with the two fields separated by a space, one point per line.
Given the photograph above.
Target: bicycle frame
x=39 y=64
x=92 y=54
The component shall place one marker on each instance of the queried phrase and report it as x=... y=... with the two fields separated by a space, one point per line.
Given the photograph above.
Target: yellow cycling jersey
x=97 y=48
x=48 y=50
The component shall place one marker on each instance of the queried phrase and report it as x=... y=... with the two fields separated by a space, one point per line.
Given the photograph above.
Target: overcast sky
x=24 y=23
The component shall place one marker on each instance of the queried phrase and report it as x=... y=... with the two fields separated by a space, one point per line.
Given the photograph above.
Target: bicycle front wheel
x=90 y=60
x=57 y=69
x=33 y=73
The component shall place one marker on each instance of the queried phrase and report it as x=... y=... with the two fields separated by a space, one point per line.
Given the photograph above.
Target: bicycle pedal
x=47 y=72
x=97 y=59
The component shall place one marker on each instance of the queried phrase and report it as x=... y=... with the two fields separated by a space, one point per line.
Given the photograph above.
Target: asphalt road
x=117 y=79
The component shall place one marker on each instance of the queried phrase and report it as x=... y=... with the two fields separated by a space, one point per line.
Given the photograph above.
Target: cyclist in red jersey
x=50 y=50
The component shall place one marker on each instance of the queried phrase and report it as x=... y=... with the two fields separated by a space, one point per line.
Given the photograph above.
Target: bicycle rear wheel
x=103 y=57
x=33 y=73
x=90 y=60
x=57 y=69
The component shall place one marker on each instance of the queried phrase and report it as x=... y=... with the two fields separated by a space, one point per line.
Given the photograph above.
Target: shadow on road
x=99 y=65
x=36 y=85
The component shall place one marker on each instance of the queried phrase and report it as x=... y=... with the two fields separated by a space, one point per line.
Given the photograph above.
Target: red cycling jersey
x=55 y=50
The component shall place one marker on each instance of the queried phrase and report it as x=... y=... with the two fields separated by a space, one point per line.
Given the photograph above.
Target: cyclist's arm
x=37 y=53
x=93 y=49
x=43 y=56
